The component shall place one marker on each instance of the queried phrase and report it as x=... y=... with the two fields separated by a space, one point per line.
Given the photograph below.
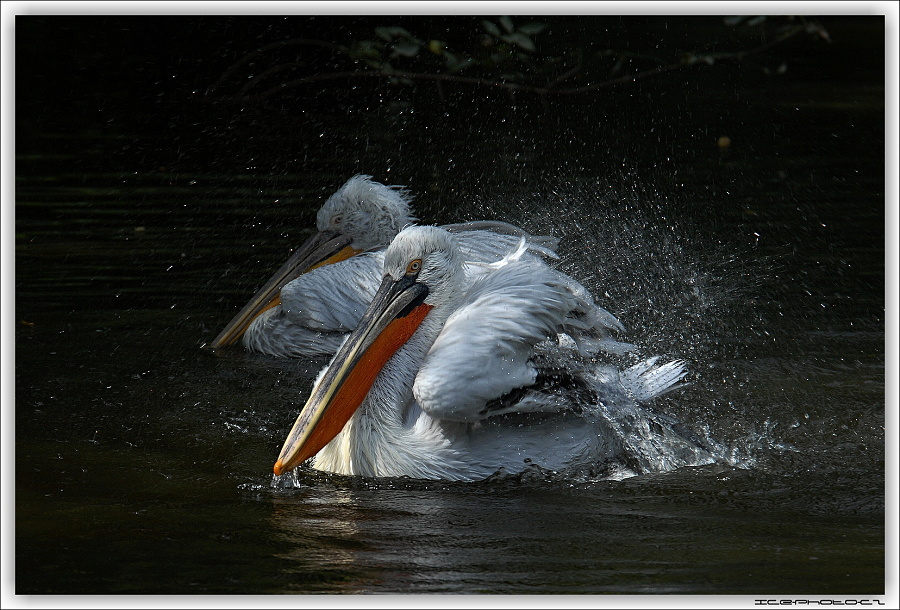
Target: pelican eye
x=337 y=219
x=414 y=267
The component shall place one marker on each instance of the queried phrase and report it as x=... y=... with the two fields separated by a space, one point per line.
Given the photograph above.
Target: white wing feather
x=317 y=309
x=484 y=349
x=333 y=297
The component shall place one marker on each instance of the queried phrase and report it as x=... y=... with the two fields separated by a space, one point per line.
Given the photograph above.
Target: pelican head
x=423 y=271
x=360 y=216
x=369 y=212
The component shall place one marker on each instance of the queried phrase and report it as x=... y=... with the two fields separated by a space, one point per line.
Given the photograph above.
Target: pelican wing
x=490 y=241
x=484 y=350
x=333 y=297
x=488 y=245
x=272 y=334
x=317 y=309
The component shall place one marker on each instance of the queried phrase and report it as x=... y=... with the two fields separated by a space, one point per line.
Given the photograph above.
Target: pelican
x=450 y=377
x=361 y=216
x=318 y=296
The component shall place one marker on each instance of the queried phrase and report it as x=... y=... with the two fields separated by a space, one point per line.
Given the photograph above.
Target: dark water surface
x=146 y=215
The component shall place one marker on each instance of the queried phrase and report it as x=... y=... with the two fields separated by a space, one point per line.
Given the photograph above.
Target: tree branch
x=550 y=89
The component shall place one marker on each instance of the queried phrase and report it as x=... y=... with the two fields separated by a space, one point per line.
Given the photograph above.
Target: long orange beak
x=323 y=248
x=394 y=315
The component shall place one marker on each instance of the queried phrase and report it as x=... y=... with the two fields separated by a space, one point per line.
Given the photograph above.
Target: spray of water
x=680 y=293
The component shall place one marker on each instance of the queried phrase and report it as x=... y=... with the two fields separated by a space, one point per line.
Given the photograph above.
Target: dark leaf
x=520 y=40
x=491 y=28
x=734 y=20
x=405 y=49
x=530 y=29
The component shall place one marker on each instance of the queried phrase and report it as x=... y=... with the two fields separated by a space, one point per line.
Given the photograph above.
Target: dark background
x=152 y=75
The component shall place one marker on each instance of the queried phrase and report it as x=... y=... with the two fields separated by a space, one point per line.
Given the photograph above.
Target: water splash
x=678 y=289
x=288 y=480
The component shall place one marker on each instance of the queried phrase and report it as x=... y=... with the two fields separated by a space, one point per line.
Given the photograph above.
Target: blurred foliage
x=503 y=47
x=505 y=54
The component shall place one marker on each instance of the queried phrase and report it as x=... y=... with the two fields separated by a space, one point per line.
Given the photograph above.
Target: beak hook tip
x=279 y=468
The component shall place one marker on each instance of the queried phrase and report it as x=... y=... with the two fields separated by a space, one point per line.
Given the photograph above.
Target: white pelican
x=319 y=295
x=444 y=376
x=361 y=216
